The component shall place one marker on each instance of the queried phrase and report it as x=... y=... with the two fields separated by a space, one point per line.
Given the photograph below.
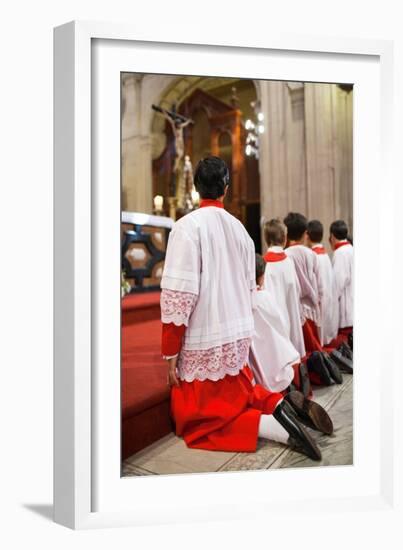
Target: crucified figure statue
x=178 y=123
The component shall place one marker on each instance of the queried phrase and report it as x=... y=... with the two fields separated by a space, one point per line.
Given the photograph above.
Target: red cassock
x=220 y=415
x=311 y=291
x=311 y=336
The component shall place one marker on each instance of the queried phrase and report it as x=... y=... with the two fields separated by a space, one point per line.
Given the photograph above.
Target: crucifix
x=178 y=123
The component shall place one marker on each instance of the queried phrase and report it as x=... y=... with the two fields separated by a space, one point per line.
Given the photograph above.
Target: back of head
x=296 y=225
x=260 y=267
x=339 y=230
x=275 y=232
x=315 y=231
x=211 y=177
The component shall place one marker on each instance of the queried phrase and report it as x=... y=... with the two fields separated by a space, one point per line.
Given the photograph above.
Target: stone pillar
x=296 y=147
x=306 y=151
x=282 y=161
x=321 y=159
x=329 y=153
x=343 y=121
x=136 y=149
x=272 y=150
x=137 y=174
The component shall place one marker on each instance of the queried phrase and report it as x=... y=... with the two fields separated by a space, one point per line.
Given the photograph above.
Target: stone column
x=272 y=150
x=282 y=161
x=329 y=153
x=136 y=149
x=343 y=120
x=321 y=160
x=137 y=174
x=296 y=147
x=306 y=151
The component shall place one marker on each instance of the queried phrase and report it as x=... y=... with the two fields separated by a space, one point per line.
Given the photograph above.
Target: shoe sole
x=346 y=370
x=334 y=370
x=342 y=366
x=313 y=411
x=313 y=451
x=323 y=372
x=346 y=352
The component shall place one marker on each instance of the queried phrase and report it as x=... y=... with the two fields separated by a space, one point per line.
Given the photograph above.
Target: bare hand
x=172 y=376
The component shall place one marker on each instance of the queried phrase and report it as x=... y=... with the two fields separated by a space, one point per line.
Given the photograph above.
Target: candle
x=158 y=203
x=195 y=196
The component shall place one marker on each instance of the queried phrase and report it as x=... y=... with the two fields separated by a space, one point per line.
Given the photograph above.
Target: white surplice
x=307 y=270
x=272 y=354
x=329 y=305
x=281 y=281
x=343 y=275
x=211 y=255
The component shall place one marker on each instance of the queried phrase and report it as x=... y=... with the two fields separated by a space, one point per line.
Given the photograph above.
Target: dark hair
x=211 y=177
x=339 y=230
x=260 y=266
x=274 y=232
x=315 y=231
x=296 y=225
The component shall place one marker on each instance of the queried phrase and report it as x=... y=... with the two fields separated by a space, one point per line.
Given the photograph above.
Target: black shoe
x=292 y=387
x=345 y=364
x=310 y=413
x=345 y=350
x=317 y=365
x=299 y=439
x=305 y=383
x=333 y=368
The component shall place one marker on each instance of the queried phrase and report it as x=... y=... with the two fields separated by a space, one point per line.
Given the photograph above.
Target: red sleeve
x=172 y=338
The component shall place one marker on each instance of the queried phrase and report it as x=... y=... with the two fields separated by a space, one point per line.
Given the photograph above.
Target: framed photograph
x=167 y=313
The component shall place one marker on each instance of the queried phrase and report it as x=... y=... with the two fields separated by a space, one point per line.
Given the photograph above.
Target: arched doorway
x=219 y=113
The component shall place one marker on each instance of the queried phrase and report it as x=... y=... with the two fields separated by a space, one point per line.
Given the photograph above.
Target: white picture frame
x=88 y=490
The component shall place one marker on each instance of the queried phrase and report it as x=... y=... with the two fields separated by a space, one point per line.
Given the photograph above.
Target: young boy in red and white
x=208 y=285
x=275 y=362
x=308 y=274
x=328 y=305
x=343 y=257
x=281 y=282
x=322 y=368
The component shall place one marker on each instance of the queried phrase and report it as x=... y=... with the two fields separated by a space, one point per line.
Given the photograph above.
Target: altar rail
x=144 y=241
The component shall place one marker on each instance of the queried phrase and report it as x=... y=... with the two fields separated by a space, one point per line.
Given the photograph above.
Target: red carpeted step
x=137 y=308
x=144 y=372
x=145 y=393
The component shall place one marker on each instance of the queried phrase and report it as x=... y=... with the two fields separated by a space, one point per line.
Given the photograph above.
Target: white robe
x=281 y=282
x=211 y=255
x=272 y=354
x=307 y=270
x=329 y=306
x=343 y=275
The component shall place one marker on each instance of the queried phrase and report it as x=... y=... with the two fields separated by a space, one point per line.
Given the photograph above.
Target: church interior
x=288 y=147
